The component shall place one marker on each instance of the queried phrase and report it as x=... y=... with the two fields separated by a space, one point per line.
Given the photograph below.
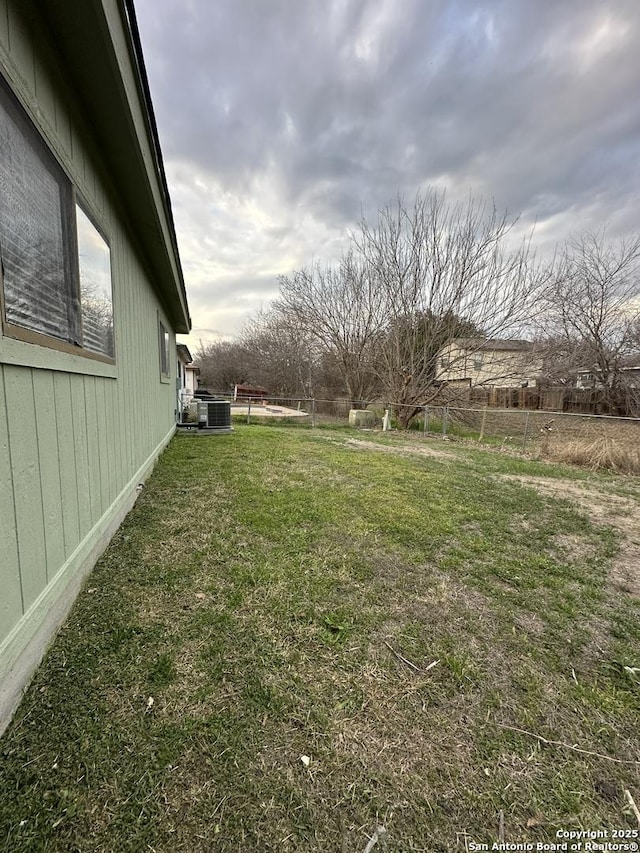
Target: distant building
x=187 y=380
x=629 y=374
x=490 y=362
x=187 y=372
x=184 y=360
x=192 y=380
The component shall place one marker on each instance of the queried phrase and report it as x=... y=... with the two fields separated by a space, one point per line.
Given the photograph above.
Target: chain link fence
x=534 y=431
x=555 y=435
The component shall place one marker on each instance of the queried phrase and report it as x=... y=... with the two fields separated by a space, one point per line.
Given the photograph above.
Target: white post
x=484 y=420
x=526 y=432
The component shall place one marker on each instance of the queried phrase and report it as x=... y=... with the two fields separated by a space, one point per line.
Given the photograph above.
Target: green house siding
x=76 y=435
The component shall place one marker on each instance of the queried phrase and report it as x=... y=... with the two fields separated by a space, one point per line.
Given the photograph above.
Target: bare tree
x=224 y=364
x=270 y=352
x=445 y=270
x=284 y=356
x=343 y=309
x=593 y=314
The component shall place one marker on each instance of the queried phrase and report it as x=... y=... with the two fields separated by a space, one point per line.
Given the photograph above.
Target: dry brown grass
x=597 y=455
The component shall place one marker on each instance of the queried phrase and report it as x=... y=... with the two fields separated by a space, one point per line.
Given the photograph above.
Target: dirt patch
x=576 y=547
x=620 y=513
x=529 y=622
x=400 y=449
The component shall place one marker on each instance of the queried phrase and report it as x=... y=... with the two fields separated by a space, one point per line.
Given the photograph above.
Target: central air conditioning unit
x=214 y=415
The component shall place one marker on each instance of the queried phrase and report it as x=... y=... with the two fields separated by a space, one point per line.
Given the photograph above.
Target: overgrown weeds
x=603 y=454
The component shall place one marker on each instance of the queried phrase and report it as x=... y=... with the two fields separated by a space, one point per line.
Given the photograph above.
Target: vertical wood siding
x=27 y=488
x=11 y=608
x=70 y=442
x=44 y=405
x=67 y=460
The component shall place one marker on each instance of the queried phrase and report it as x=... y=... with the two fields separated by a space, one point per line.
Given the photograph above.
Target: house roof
x=97 y=45
x=494 y=344
x=183 y=353
x=631 y=362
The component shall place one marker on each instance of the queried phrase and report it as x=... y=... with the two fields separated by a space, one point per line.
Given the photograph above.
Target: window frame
x=35 y=138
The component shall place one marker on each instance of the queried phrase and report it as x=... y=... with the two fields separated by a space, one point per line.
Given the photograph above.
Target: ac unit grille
x=214 y=414
x=218 y=415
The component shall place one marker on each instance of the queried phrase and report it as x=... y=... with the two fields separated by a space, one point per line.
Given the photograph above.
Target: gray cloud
x=281 y=122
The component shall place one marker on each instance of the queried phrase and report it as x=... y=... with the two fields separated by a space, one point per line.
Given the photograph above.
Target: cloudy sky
x=282 y=122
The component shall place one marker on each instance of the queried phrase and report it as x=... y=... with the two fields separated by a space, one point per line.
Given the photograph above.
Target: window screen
x=36 y=241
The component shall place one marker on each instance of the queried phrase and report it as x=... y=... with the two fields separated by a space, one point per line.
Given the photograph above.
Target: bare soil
x=620 y=513
x=400 y=449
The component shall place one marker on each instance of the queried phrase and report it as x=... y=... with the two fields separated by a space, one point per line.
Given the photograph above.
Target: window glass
x=40 y=288
x=95 y=287
x=164 y=349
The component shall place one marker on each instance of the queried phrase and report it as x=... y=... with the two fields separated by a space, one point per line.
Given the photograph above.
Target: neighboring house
x=191 y=379
x=184 y=360
x=92 y=296
x=489 y=362
x=585 y=380
x=629 y=373
x=187 y=380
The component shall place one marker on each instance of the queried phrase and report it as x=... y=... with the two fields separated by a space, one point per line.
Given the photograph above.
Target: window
x=163 y=336
x=56 y=271
x=477 y=362
x=444 y=361
x=94 y=259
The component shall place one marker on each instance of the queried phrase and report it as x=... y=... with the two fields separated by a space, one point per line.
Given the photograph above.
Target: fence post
x=425 y=428
x=249 y=410
x=313 y=412
x=526 y=432
x=445 y=418
x=484 y=420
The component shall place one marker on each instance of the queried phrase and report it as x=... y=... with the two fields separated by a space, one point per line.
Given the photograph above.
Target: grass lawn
x=284 y=593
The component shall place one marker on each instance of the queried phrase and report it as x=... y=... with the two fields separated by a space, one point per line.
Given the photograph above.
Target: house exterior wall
x=76 y=435
x=497 y=367
x=191 y=380
x=183 y=394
